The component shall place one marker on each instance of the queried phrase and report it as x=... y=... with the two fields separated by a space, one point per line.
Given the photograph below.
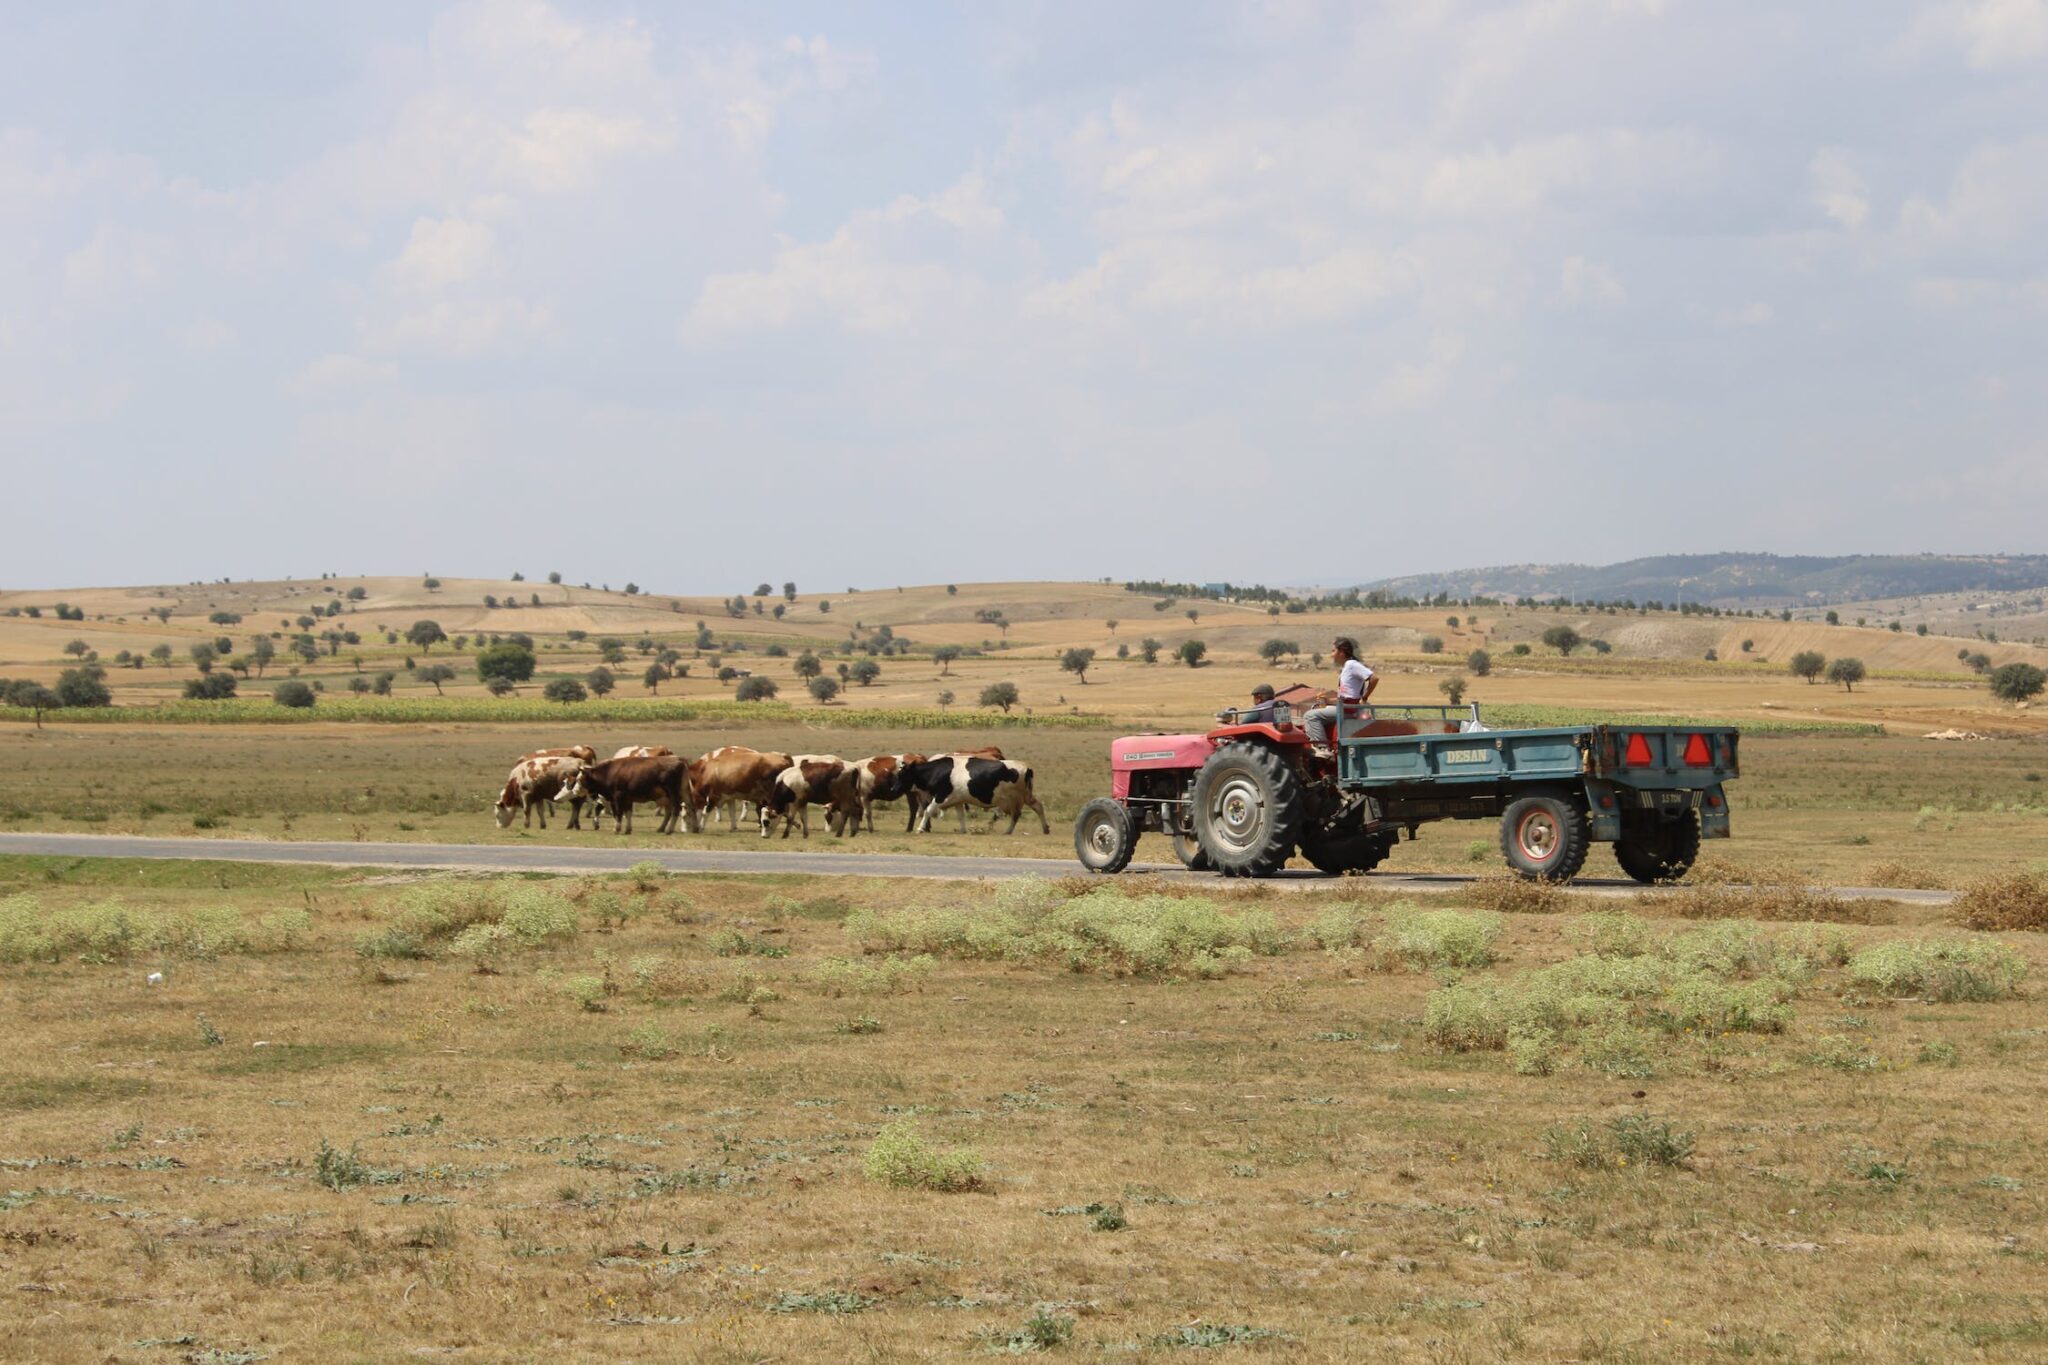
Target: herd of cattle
x=778 y=786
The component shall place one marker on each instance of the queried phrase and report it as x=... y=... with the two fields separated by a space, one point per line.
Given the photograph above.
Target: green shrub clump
x=111 y=931
x=1946 y=970
x=481 y=920
x=1422 y=939
x=901 y=1158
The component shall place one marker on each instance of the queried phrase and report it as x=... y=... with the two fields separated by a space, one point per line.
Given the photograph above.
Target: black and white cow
x=957 y=781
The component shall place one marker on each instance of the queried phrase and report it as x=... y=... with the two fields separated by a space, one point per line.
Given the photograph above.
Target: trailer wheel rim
x=1538 y=836
x=1238 y=813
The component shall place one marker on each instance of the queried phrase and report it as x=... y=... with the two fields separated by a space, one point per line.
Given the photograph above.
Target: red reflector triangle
x=1638 y=755
x=1698 y=754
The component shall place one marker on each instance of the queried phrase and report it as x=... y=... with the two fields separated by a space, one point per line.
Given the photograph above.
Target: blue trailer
x=1245 y=797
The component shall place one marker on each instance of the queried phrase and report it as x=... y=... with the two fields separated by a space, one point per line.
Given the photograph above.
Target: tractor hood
x=1142 y=752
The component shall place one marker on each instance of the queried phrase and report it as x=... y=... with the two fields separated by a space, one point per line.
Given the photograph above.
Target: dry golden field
x=697 y=1118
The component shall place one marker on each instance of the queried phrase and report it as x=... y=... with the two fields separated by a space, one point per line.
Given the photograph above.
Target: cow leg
x=962 y=808
x=1044 y=825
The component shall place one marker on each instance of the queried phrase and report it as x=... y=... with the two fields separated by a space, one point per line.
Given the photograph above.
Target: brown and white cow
x=729 y=775
x=534 y=784
x=816 y=779
x=644 y=751
x=625 y=782
x=957 y=781
x=582 y=751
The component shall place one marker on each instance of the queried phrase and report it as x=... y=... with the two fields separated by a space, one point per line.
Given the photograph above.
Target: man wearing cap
x=1355 y=684
x=1260 y=712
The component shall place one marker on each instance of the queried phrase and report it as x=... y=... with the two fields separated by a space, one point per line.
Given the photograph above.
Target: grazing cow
x=587 y=755
x=582 y=751
x=644 y=751
x=732 y=774
x=535 y=784
x=624 y=782
x=956 y=781
x=820 y=779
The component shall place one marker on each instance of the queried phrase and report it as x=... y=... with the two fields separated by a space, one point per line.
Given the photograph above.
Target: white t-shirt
x=1351 y=680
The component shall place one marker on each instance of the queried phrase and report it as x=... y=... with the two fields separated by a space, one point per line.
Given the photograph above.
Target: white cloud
x=1755 y=313
x=1420 y=383
x=115 y=263
x=340 y=374
x=444 y=251
x=1582 y=281
x=881 y=272
x=1998 y=196
x=206 y=333
x=1838 y=189
x=1989 y=33
x=464 y=328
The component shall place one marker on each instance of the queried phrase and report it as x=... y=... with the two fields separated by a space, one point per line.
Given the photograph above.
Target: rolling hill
x=1738 y=580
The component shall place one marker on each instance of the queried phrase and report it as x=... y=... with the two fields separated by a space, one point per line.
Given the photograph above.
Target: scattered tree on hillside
x=76 y=647
x=2017 y=682
x=358 y=593
x=1834 y=618
x=203 y=656
x=430 y=583
x=944 y=699
x=600 y=681
x=512 y=662
x=436 y=674
x=212 y=687
x=1563 y=639
x=755 y=689
x=425 y=634
x=789 y=592
x=294 y=694
x=565 y=691
x=823 y=689
x=1847 y=672
x=32 y=696
x=497 y=687
x=1451 y=621
x=162 y=655
x=807 y=665
x=944 y=656
x=1453 y=690
x=1148 y=650
x=1431 y=644
x=1479 y=662
x=1191 y=652
x=1076 y=661
x=1977 y=662
x=1807 y=664
x=865 y=671
x=1272 y=650
x=1003 y=694
x=82 y=687
x=1111 y=622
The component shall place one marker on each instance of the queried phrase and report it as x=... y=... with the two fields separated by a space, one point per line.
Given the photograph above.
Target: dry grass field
x=714 y=1119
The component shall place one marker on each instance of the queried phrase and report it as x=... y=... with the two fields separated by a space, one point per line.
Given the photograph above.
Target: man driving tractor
x=1355 y=684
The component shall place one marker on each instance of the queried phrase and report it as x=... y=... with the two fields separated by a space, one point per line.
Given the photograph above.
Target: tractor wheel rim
x=1101 y=838
x=1538 y=836
x=1239 y=813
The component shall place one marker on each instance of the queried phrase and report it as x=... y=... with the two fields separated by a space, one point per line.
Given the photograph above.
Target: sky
x=864 y=294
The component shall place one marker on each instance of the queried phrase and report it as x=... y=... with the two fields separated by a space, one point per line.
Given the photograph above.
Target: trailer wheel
x=1662 y=854
x=1104 y=837
x=1188 y=849
x=1356 y=852
x=1247 y=810
x=1545 y=838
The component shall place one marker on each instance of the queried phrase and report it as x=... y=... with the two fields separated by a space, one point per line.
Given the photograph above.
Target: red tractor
x=1242 y=798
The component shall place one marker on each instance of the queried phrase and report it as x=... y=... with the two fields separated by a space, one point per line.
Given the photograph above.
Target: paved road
x=564 y=858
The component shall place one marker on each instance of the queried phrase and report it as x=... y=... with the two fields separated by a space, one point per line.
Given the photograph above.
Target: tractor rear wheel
x=1353 y=852
x=1104 y=836
x=1248 y=810
x=1661 y=854
x=1545 y=838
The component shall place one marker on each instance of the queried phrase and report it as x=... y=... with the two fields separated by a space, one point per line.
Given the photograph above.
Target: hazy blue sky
x=700 y=295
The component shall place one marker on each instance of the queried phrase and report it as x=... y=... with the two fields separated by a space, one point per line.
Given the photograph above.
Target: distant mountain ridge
x=1740 y=580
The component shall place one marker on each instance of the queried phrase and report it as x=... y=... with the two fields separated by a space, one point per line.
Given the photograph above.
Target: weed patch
x=901 y=1158
x=2005 y=901
x=1945 y=970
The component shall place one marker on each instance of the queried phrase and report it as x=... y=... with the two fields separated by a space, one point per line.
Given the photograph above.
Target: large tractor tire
x=1355 y=852
x=1188 y=849
x=1105 y=836
x=1248 y=810
x=1545 y=838
x=1662 y=853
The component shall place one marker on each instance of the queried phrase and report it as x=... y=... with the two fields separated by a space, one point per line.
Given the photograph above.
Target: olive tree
x=425 y=634
x=1563 y=639
x=1847 y=672
x=823 y=689
x=565 y=691
x=1076 y=661
x=2017 y=682
x=1807 y=664
x=1191 y=652
x=436 y=674
x=1003 y=694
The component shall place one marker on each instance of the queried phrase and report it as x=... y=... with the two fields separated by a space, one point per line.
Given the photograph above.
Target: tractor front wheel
x=1104 y=836
x=1545 y=838
x=1248 y=810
